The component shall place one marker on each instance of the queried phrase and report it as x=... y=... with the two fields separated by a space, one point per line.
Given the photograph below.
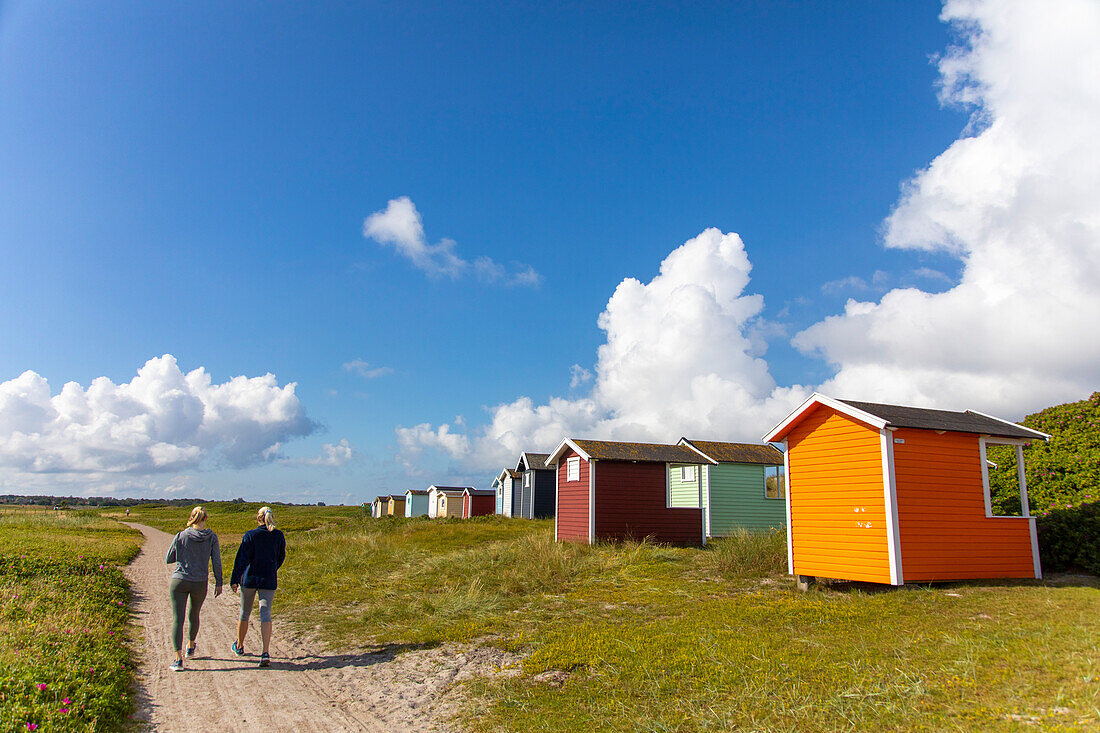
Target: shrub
x=1069 y=538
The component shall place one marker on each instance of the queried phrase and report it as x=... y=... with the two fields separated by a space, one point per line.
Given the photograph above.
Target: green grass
x=64 y=621
x=644 y=637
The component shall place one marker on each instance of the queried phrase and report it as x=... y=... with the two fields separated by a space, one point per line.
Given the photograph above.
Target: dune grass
x=635 y=636
x=65 y=661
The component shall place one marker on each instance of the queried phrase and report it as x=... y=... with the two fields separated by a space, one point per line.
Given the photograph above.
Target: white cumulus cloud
x=400 y=226
x=161 y=420
x=332 y=455
x=679 y=359
x=1018 y=202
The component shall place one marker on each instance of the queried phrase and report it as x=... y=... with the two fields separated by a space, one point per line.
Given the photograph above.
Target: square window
x=775 y=483
x=573 y=469
x=687 y=473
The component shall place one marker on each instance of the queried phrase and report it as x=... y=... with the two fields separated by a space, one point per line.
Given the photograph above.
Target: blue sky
x=192 y=179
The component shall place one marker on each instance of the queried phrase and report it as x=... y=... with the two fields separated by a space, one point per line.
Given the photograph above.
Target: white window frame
x=781 y=488
x=527 y=479
x=573 y=468
x=1021 y=478
x=684 y=473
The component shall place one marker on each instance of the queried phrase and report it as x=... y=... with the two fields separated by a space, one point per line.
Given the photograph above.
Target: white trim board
x=890 y=499
x=819 y=399
x=790 y=529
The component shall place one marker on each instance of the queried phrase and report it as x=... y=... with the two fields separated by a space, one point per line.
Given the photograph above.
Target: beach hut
x=416 y=503
x=477 y=502
x=613 y=491
x=395 y=505
x=378 y=506
x=498 y=491
x=893 y=494
x=740 y=490
x=536 y=481
x=449 y=501
x=436 y=495
x=507 y=487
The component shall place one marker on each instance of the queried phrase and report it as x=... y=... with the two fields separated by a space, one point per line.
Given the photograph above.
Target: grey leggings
x=179 y=591
x=248 y=596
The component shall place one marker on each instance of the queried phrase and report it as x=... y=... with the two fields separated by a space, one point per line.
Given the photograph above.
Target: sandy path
x=304 y=689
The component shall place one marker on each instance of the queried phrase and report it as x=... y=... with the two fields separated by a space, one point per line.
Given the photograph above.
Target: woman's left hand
x=217 y=590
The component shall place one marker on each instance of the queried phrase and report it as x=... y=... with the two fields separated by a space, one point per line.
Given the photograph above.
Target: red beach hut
x=614 y=491
x=478 y=502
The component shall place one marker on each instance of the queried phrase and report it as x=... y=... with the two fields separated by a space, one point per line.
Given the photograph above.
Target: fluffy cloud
x=679 y=359
x=400 y=226
x=332 y=455
x=162 y=420
x=1019 y=203
x=578 y=375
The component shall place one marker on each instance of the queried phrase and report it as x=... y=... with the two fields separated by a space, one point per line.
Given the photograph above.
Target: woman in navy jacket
x=255 y=570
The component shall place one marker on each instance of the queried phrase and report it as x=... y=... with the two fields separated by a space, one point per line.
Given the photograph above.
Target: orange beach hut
x=893 y=494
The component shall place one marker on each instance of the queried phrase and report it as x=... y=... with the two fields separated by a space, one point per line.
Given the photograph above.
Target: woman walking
x=255 y=570
x=193 y=551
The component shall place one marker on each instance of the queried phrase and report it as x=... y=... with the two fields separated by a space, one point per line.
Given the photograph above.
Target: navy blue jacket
x=258 y=558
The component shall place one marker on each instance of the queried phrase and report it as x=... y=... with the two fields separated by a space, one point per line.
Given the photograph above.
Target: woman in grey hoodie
x=193 y=551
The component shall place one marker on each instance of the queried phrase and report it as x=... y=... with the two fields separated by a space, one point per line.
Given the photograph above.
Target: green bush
x=1064 y=471
x=1069 y=538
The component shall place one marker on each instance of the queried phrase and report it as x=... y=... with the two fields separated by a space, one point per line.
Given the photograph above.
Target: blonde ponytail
x=198 y=514
x=268 y=517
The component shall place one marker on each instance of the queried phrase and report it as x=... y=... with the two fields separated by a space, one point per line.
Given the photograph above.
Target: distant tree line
x=81 y=501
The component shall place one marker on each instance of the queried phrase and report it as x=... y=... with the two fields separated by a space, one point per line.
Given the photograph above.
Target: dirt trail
x=304 y=689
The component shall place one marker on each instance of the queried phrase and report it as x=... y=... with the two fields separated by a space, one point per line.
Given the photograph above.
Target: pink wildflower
x=66 y=701
x=64 y=711
x=41 y=686
x=32 y=726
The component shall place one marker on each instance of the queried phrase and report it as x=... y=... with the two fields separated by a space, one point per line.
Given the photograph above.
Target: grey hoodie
x=192 y=551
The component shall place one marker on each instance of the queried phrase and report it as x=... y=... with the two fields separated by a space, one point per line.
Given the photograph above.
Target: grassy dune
x=640 y=637
x=64 y=657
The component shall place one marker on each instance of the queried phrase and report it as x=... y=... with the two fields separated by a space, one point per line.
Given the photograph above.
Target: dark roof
x=481 y=492
x=459 y=489
x=397 y=497
x=535 y=461
x=607 y=450
x=416 y=491
x=961 y=422
x=738 y=452
x=514 y=473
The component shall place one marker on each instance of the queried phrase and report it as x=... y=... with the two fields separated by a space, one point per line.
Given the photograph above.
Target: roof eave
x=779 y=431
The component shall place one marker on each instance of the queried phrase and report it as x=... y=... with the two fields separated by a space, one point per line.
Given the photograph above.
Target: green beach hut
x=742 y=489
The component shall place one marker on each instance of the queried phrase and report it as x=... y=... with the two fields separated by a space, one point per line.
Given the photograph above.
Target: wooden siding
x=684 y=493
x=477 y=506
x=416 y=506
x=395 y=508
x=630 y=504
x=544 y=493
x=737 y=499
x=526 y=494
x=945 y=533
x=838 y=506
x=500 y=499
x=450 y=506
x=572 y=501
x=506 y=496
